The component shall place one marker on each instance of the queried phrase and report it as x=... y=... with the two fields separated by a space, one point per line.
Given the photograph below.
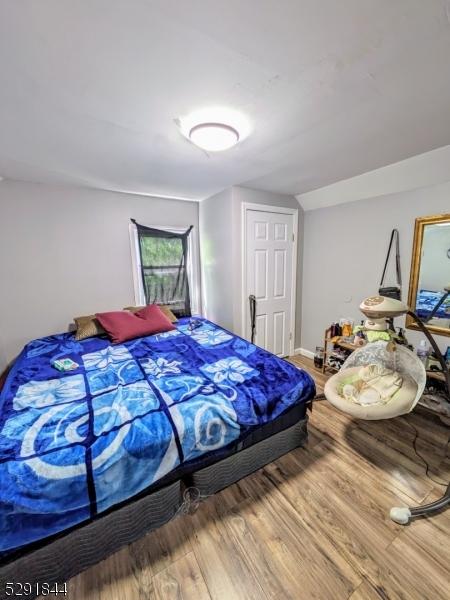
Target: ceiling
x=90 y=91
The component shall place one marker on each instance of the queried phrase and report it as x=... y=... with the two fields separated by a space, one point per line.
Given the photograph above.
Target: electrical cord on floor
x=191 y=501
x=416 y=437
x=425 y=462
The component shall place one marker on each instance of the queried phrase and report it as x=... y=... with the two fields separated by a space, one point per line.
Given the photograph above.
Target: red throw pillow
x=152 y=312
x=124 y=325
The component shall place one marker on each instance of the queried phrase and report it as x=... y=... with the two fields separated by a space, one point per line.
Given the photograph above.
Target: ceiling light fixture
x=214 y=128
x=214 y=137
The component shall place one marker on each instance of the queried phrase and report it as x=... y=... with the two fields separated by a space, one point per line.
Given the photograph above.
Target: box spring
x=57 y=560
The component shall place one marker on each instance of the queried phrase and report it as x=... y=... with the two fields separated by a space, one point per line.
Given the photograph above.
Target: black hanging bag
x=394 y=291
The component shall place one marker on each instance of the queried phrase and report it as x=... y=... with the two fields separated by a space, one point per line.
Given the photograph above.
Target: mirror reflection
x=433 y=286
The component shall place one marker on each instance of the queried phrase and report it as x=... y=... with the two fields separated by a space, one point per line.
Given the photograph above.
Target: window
x=165 y=267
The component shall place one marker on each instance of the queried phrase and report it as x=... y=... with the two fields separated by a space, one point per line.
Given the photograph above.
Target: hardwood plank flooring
x=312 y=525
x=181 y=579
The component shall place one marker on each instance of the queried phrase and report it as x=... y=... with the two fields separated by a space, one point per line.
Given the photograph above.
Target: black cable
x=425 y=462
x=416 y=437
x=252 y=301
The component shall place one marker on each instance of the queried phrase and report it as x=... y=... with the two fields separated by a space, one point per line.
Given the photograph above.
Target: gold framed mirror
x=429 y=280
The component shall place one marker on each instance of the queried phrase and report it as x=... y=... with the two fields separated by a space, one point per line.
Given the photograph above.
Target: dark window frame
x=176 y=293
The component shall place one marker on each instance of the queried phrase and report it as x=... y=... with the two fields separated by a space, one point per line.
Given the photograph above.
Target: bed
x=93 y=458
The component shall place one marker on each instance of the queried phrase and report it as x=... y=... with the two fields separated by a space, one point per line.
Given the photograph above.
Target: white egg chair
x=411 y=369
x=401 y=360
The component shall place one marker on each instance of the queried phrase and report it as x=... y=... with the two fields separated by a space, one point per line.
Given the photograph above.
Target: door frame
x=245 y=207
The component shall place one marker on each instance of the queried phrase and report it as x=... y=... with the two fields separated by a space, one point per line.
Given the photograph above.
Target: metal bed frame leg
x=402 y=515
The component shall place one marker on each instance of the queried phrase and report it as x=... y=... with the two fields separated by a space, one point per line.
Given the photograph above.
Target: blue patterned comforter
x=426 y=302
x=74 y=444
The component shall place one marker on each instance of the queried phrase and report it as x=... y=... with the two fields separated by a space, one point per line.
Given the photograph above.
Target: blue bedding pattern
x=74 y=444
x=426 y=302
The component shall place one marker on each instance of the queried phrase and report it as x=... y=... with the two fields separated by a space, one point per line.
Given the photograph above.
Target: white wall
x=344 y=253
x=65 y=251
x=420 y=171
x=220 y=223
x=216 y=243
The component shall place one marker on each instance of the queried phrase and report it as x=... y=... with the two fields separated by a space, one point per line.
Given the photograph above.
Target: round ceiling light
x=214 y=137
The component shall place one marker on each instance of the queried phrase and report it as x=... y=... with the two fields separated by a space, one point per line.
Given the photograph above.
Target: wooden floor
x=312 y=525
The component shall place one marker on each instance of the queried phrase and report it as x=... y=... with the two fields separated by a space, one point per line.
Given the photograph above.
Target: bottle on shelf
x=401 y=338
x=423 y=352
x=318 y=357
x=360 y=338
x=347 y=329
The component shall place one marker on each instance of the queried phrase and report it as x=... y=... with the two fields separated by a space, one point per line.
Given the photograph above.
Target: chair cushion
x=401 y=403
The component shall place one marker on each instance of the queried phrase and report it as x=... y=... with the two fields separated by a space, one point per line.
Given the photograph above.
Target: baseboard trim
x=304 y=352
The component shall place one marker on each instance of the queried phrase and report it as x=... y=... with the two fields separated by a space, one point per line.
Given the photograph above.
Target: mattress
x=69 y=553
x=131 y=418
x=215 y=477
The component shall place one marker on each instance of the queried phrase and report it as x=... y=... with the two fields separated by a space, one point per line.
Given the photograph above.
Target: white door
x=269 y=262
